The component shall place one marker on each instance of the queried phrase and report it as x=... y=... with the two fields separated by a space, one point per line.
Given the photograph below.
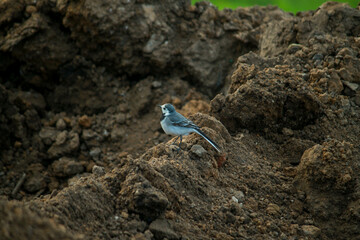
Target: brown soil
x=83 y=155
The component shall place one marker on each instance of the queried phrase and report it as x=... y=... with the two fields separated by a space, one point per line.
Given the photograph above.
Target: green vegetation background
x=286 y=5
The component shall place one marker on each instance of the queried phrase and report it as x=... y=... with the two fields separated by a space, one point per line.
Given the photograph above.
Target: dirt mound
x=83 y=155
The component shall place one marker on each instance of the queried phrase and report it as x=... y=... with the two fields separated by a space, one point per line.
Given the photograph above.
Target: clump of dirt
x=83 y=155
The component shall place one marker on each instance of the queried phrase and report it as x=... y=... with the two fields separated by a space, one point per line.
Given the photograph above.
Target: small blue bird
x=173 y=123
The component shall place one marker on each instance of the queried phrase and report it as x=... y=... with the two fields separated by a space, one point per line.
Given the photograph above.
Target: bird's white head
x=167 y=109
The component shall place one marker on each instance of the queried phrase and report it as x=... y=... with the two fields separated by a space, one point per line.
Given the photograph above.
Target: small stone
x=61 y=138
x=17 y=144
x=120 y=118
x=30 y=9
x=144 y=199
x=198 y=150
x=67 y=121
x=95 y=152
x=156 y=84
x=311 y=230
x=253 y=215
x=273 y=209
x=170 y=214
x=352 y=86
x=98 y=171
x=293 y=48
x=239 y=195
x=65 y=167
x=88 y=134
x=48 y=135
x=161 y=229
x=60 y=124
x=35 y=183
x=287 y=132
x=345 y=74
x=124 y=215
x=318 y=56
x=85 y=121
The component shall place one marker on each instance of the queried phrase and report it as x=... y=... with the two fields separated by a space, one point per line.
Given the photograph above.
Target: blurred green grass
x=286 y=5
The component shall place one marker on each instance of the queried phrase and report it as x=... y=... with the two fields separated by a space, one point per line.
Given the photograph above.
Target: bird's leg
x=180 y=141
x=175 y=140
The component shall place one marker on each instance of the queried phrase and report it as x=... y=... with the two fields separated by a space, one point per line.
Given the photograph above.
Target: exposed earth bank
x=83 y=155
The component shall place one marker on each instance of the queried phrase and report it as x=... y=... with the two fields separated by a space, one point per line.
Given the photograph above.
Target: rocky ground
x=83 y=155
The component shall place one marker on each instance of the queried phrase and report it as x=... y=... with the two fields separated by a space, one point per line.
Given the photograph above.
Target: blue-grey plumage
x=173 y=123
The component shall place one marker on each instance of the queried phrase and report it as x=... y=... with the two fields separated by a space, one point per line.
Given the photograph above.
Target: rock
x=85 y=121
x=65 y=143
x=293 y=48
x=48 y=135
x=350 y=88
x=334 y=84
x=154 y=41
x=326 y=172
x=88 y=134
x=287 y=132
x=142 y=198
x=239 y=195
x=156 y=84
x=35 y=183
x=120 y=118
x=258 y=99
x=198 y=150
x=91 y=138
x=273 y=209
x=61 y=138
x=311 y=230
x=162 y=229
x=66 y=167
x=95 y=152
x=98 y=171
x=60 y=124
x=17 y=144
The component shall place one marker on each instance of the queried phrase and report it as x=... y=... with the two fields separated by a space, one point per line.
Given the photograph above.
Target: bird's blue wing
x=179 y=120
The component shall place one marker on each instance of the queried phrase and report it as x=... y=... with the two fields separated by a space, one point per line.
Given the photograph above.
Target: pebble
x=17 y=144
x=98 y=171
x=273 y=209
x=95 y=152
x=35 y=183
x=311 y=230
x=61 y=138
x=66 y=167
x=156 y=84
x=60 y=124
x=239 y=195
x=198 y=150
x=162 y=229
x=85 y=121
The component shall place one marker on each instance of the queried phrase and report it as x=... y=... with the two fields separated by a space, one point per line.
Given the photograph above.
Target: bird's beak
x=159 y=105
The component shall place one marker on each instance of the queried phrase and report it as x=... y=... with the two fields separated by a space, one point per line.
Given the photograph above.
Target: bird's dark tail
x=198 y=131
